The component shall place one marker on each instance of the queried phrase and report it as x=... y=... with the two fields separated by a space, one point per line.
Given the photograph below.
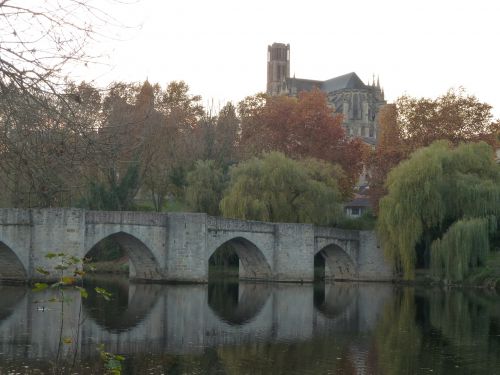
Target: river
x=245 y=328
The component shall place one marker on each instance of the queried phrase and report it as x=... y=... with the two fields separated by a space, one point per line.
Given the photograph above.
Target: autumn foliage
x=411 y=123
x=301 y=127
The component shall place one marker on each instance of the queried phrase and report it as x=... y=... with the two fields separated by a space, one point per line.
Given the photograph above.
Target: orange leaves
x=301 y=127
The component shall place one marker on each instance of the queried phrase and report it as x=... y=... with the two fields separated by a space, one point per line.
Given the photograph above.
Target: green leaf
x=40 y=286
x=83 y=292
x=103 y=293
x=50 y=255
x=42 y=271
x=68 y=280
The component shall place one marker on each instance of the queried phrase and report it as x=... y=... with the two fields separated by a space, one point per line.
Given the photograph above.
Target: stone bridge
x=176 y=247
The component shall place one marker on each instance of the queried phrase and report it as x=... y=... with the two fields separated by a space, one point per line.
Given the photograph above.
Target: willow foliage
x=204 y=187
x=442 y=199
x=276 y=188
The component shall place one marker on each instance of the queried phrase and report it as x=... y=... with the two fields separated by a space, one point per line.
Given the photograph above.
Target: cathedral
x=359 y=103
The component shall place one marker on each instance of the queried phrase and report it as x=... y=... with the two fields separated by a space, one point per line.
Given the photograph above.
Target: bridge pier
x=294 y=252
x=187 y=248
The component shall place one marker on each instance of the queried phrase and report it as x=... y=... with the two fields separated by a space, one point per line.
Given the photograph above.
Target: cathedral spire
x=378 y=81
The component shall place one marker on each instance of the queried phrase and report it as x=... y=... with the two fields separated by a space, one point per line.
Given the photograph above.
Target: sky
x=219 y=47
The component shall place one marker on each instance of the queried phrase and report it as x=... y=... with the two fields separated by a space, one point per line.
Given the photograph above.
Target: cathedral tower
x=278 y=67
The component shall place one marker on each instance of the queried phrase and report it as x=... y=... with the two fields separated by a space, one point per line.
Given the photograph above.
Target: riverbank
x=486 y=277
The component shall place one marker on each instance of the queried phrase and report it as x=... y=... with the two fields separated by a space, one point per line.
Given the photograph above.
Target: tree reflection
x=446 y=331
x=398 y=339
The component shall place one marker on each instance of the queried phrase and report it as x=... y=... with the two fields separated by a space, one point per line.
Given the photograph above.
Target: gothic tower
x=278 y=67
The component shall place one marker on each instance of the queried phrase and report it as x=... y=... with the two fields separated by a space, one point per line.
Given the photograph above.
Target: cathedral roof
x=346 y=81
x=301 y=84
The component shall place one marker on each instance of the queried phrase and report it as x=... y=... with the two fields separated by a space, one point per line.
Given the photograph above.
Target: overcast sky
x=219 y=47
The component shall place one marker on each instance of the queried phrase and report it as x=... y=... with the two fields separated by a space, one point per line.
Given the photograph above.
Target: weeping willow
x=445 y=200
x=465 y=245
x=276 y=188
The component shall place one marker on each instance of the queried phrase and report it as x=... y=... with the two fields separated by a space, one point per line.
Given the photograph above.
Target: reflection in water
x=129 y=304
x=237 y=303
x=10 y=296
x=443 y=332
x=334 y=300
x=398 y=338
x=340 y=328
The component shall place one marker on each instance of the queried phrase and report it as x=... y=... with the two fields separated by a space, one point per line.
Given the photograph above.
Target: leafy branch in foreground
x=70 y=271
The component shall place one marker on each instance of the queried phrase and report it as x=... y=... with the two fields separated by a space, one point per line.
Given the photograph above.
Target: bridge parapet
x=340 y=234
x=126 y=218
x=222 y=224
x=15 y=216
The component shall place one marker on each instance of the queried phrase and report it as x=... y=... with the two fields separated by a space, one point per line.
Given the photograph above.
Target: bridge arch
x=253 y=263
x=338 y=264
x=143 y=263
x=11 y=267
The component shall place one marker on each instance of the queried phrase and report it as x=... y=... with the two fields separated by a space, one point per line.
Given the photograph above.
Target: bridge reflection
x=237 y=303
x=130 y=303
x=10 y=297
x=188 y=318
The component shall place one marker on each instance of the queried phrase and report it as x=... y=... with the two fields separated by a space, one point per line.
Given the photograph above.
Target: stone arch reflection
x=142 y=262
x=335 y=301
x=11 y=268
x=130 y=303
x=10 y=297
x=237 y=303
x=252 y=262
x=333 y=263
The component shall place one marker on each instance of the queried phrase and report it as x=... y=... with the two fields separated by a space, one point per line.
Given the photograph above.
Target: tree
x=276 y=188
x=302 y=127
x=45 y=144
x=454 y=116
x=440 y=209
x=389 y=152
x=41 y=40
x=47 y=123
x=227 y=135
x=412 y=123
x=113 y=194
x=205 y=185
x=171 y=146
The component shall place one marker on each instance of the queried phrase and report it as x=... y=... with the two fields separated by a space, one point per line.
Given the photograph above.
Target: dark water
x=231 y=328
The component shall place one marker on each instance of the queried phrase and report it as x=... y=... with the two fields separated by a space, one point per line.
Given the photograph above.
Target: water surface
x=244 y=328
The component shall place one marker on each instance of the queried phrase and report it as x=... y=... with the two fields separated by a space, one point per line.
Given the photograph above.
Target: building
x=347 y=94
